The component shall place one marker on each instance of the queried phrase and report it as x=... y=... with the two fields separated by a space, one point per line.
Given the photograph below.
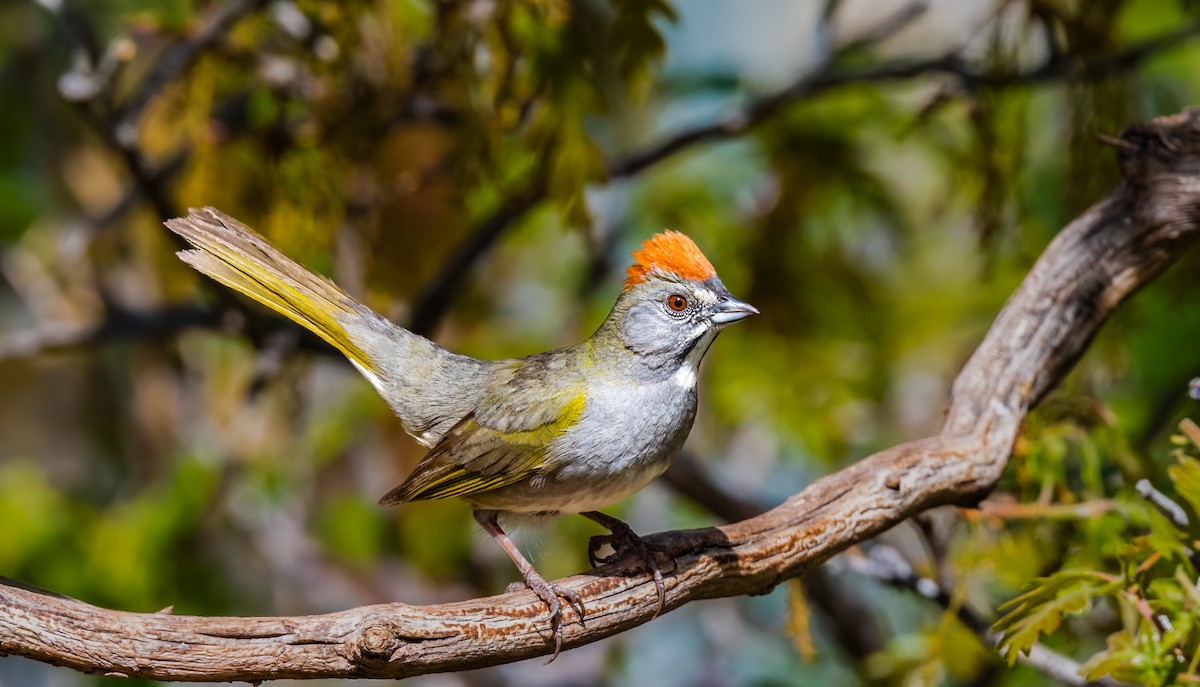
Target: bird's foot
x=551 y=594
x=624 y=540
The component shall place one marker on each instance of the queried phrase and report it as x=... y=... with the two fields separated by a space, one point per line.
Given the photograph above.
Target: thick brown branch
x=1114 y=248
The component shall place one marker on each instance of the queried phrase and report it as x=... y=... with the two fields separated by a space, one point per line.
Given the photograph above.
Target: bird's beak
x=730 y=310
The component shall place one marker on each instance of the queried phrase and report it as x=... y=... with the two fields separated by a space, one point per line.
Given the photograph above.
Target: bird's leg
x=546 y=591
x=623 y=539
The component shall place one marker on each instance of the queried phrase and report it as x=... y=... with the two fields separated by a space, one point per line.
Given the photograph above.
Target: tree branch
x=1097 y=261
x=439 y=292
x=826 y=76
x=1165 y=505
x=852 y=624
x=436 y=297
x=118 y=324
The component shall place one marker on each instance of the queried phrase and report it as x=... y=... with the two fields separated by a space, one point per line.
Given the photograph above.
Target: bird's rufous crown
x=670 y=252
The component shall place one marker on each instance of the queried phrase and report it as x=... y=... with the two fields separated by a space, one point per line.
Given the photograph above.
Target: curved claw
x=550 y=594
x=573 y=598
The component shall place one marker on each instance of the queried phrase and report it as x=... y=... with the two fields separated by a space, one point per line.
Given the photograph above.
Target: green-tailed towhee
x=566 y=431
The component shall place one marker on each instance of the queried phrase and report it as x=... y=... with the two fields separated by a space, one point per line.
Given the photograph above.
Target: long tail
x=429 y=388
x=233 y=254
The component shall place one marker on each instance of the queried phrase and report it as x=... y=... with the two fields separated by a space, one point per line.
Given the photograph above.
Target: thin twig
x=828 y=78
x=439 y=292
x=1165 y=505
x=1115 y=142
x=1006 y=510
x=1191 y=431
x=437 y=296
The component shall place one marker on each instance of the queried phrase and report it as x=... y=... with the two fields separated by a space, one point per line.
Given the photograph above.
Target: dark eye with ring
x=677 y=303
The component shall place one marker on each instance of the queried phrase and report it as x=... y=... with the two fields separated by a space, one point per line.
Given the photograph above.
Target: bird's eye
x=677 y=303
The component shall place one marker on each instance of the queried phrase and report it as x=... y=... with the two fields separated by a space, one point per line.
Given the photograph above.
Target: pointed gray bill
x=730 y=309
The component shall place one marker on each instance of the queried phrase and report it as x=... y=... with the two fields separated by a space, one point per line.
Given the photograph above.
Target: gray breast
x=628 y=435
x=628 y=427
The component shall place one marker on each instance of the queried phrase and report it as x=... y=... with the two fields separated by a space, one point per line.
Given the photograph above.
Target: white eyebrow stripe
x=706 y=294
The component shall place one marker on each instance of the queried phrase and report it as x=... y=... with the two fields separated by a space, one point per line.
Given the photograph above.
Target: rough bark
x=1097 y=261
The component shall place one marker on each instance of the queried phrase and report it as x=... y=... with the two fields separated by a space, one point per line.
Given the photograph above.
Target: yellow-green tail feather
x=236 y=256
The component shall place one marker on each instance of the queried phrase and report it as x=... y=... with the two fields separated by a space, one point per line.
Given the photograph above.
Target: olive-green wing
x=501 y=444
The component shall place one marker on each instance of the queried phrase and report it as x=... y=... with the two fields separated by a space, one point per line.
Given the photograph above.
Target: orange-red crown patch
x=671 y=252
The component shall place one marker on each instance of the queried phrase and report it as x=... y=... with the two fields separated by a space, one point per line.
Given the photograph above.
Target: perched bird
x=567 y=431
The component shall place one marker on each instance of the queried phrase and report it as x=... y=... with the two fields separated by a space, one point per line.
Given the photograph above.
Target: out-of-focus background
x=875 y=176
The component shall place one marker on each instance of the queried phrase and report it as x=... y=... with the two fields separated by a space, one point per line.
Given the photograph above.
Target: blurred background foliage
x=875 y=176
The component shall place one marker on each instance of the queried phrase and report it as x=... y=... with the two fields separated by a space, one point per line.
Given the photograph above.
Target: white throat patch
x=685 y=376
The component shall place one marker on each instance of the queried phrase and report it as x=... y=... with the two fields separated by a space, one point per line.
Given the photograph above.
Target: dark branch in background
x=432 y=302
x=436 y=297
x=119 y=324
x=151 y=186
x=827 y=77
x=1099 y=260
x=824 y=77
x=886 y=565
x=157 y=178
x=882 y=563
x=175 y=60
x=687 y=477
x=88 y=85
x=439 y=293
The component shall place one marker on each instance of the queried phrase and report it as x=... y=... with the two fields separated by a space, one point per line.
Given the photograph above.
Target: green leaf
x=637 y=40
x=1186 y=476
x=1166 y=539
x=1039 y=610
x=1120 y=653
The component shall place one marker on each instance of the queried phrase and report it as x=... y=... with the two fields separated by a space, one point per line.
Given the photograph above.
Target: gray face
x=670 y=320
